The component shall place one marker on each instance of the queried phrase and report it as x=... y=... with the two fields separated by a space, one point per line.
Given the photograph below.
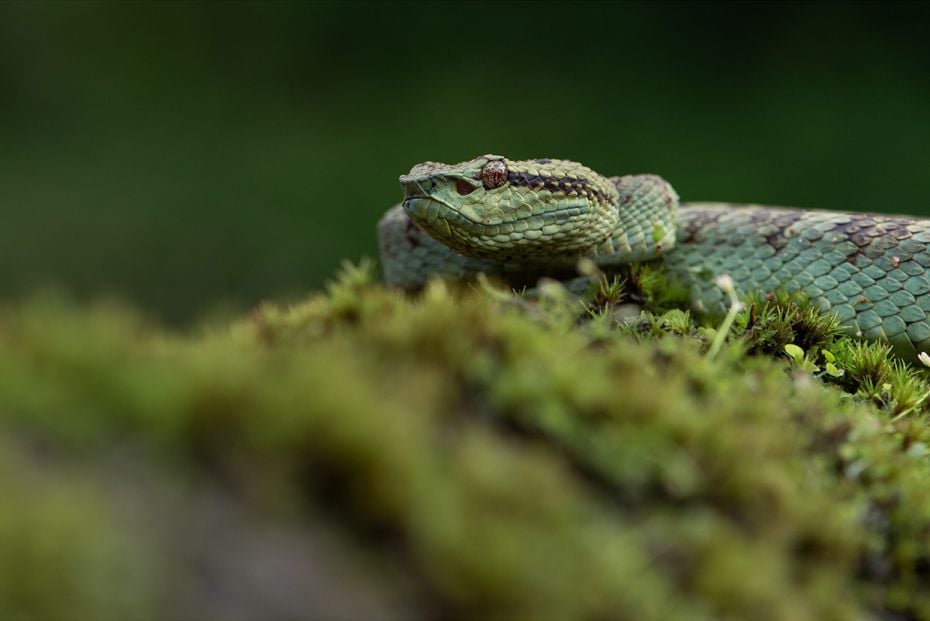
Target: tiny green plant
x=727 y=285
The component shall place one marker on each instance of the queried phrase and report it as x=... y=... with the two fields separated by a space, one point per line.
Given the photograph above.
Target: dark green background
x=188 y=156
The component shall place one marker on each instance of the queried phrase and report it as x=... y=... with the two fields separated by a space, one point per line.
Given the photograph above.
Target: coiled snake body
x=521 y=219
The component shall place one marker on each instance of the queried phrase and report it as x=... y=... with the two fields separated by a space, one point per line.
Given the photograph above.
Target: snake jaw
x=433 y=215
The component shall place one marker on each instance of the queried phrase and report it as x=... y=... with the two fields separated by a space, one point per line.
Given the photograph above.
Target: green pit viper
x=518 y=220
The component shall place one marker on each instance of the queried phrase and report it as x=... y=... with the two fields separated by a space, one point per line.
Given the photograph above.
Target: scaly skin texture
x=523 y=219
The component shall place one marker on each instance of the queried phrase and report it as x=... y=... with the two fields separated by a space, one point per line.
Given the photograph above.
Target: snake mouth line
x=456 y=214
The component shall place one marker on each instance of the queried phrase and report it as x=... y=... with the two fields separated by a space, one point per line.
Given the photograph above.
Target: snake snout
x=413 y=189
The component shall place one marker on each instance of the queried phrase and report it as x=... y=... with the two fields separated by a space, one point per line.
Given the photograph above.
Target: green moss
x=65 y=551
x=472 y=452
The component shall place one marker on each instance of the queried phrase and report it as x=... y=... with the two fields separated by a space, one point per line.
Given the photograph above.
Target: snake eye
x=494 y=174
x=463 y=187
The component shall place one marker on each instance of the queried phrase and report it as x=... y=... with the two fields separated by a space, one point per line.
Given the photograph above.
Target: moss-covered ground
x=460 y=453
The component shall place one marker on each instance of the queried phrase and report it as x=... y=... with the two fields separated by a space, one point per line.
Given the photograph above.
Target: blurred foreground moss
x=460 y=453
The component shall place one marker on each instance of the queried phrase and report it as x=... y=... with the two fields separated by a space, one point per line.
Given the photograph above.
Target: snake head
x=492 y=207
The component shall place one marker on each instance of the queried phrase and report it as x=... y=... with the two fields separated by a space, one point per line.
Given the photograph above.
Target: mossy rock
x=464 y=453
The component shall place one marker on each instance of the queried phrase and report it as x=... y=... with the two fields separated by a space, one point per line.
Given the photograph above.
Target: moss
x=461 y=453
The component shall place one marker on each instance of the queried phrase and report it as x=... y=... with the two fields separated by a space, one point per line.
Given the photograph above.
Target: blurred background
x=191 y=157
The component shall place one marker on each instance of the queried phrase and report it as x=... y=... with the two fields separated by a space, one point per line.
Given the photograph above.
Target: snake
x=519 y=220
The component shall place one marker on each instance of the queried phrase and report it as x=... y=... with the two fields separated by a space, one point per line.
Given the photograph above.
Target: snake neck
x=648 y=212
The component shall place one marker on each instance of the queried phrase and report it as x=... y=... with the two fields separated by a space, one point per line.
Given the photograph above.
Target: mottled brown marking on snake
x=778 y=240
x=852 y=256
x=697 y=224
x=411 y=233
x=897 y=228
x=863 y=230
x=564 y=185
